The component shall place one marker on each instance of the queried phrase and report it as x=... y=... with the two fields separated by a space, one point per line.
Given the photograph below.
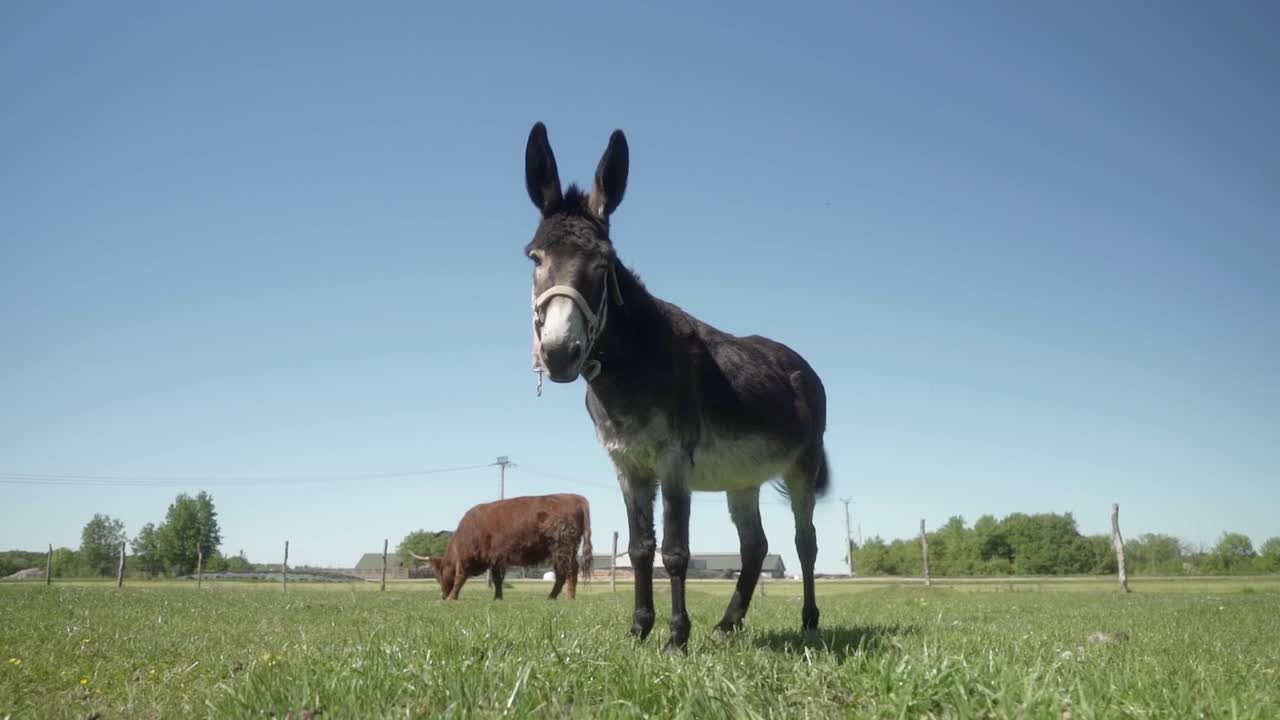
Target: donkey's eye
x=536 y=257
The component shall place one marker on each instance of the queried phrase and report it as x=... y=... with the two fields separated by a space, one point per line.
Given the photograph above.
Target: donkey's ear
x=540 y=176
x=611 y=177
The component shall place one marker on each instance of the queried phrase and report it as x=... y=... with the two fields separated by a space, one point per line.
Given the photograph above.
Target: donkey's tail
x=586 y=541
x=822 y=480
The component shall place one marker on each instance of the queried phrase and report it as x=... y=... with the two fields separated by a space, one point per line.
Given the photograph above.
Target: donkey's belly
x=722 y=463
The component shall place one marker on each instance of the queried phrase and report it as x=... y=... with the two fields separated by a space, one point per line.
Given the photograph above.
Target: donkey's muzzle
x=563 y=361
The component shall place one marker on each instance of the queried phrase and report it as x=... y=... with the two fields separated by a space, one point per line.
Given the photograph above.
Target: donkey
x=679 y=405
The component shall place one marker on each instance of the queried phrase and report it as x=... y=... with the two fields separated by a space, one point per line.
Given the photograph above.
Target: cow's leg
x=559 y=583
x=675 y=556
x=638 y=494
x=799 y=488
x=571 y=579
x=496 y=573
x=459 y=577
x=744 y=508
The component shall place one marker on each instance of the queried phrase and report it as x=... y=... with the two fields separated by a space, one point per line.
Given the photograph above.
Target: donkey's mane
x=575 y=201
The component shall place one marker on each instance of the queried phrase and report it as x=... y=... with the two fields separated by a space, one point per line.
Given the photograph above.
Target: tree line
x=1051 y=544
x=189 y=530
x=426 y=543
x=173 y=547
x=1018 y=544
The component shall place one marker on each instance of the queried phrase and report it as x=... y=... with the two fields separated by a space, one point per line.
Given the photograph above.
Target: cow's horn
x=416 y=556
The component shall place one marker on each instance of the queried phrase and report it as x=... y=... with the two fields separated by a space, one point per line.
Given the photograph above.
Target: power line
x=561 y=478
x=52 y=480
x=160 y=481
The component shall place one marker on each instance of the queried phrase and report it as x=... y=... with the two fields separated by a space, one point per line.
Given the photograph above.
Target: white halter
x=595 y=321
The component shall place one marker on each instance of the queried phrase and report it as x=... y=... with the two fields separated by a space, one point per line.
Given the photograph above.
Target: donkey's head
x=574 y=280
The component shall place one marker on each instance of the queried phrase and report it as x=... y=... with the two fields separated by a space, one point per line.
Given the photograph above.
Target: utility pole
x=502 y=464
x=848 y=537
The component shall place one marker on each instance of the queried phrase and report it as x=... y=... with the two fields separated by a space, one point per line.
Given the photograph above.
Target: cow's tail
x=586 y=541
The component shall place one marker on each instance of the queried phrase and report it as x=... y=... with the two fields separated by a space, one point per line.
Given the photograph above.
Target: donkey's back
x=763 y=409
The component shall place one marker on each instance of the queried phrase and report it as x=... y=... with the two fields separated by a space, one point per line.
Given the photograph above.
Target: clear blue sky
x=1033 y=253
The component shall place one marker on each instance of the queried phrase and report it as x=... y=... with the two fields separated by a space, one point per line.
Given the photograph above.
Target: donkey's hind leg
x=744 y=509
x=801 y=489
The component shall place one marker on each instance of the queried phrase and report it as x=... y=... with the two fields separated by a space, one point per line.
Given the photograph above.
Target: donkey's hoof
x=809 y=619
x=639 y=632
x=726 y=629
x=675 y=649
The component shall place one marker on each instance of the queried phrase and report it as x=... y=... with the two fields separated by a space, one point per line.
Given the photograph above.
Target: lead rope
x=537 y=341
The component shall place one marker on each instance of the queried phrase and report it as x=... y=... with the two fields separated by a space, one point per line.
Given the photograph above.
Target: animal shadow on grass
x=840 y=642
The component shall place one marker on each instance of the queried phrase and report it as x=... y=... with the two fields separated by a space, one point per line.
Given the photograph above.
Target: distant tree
x=1046 y=544
x=1051 y=544
x=100 y=544
x=215 y=562
x=239 y=563
x=1102 y=556
x=190 y=524
x=146 y=551
x=953 y=549
x=1154 y=553
x=872 y=559
x=1269 y=555
x=1233 y=552
x=993 y=543
x=423 y=542
x=14 y=560
x=68 y=563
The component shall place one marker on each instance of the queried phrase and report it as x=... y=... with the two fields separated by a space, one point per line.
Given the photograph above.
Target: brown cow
x=520 y=531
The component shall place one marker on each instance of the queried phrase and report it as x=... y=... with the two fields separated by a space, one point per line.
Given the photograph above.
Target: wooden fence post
x=199 y=566
x=284 y=569
x=120 y=572
x=924 y=548
x=613 y=564
x=48 y=567
x=1118 y=543
x=384 y=564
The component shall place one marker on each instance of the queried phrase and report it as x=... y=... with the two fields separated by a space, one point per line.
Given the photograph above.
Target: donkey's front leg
x=638 y=495
x=675 y=556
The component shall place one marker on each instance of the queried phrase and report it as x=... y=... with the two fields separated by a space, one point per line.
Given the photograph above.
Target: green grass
x=1021 y=649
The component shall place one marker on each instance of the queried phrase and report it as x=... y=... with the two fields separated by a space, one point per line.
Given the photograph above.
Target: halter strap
x=595 y=320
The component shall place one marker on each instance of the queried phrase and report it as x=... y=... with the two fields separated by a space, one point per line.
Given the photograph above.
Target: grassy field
x=1171 y=650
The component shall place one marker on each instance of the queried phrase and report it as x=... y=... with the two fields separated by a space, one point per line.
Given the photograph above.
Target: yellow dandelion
x=84 y=681
x=152 y=672
x=15 y=661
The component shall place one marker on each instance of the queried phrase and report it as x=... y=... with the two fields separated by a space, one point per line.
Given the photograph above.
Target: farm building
x=704 y=566
x=729 y=564
x=369 y=567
